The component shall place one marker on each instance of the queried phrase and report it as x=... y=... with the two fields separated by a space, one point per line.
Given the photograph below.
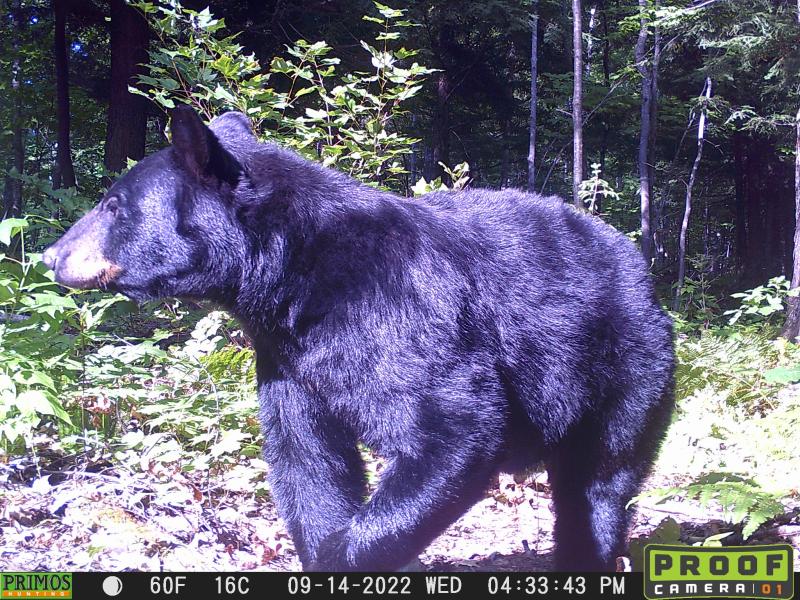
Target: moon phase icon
x=112 y=585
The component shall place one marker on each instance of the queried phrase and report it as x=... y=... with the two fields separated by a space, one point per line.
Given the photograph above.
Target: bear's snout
x=77 y=259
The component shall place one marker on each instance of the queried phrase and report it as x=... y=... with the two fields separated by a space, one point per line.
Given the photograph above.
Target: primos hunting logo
x=729 y=572
x=36 y=585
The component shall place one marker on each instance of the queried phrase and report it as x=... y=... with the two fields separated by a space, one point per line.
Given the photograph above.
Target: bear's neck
x=290 y=210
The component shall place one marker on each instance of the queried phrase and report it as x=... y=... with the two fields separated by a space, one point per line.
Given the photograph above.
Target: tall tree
x=590 y=39
x=645 y=183
x=654 y=96
x=791 y=329
x=440 y=153
x=687 y=211
x=577 y=101
x=127 y=113
x=534 y=96
x=606 y=61
x=740 y=201
x=12 y=189
x=655 y=222
x=65 y=170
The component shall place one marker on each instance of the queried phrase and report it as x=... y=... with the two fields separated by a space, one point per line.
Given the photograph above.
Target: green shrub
x=351 y=121
x=763 y=303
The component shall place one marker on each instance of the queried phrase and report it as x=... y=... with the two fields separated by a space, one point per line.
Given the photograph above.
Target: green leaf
x=11 y=227
x=28 y=378
x=715 y=541
x=33 y=402
x=389 y=13
x=316 y=114
x=230 y=442
x=221 y=93
x=49 y=303
x=783 y=375
x=304 y=91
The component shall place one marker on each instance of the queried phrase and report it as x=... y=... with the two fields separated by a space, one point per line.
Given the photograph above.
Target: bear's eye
x=112 y=205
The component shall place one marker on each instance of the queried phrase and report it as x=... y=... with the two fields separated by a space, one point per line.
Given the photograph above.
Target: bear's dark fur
x=457 y=335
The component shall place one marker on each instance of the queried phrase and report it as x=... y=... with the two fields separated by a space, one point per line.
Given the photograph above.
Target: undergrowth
x=732 y=444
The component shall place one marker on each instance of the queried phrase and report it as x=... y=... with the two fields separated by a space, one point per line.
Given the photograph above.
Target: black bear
x=457 y=335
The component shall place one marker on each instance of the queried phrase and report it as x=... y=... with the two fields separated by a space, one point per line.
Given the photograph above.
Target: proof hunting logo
x=36 y=585
x=729 y=572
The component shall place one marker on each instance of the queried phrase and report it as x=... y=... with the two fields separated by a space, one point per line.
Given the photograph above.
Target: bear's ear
x=197 y=148
x=232 y=126
x=190 y=140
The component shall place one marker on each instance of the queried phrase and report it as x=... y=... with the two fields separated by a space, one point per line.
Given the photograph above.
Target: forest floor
x=101 y=519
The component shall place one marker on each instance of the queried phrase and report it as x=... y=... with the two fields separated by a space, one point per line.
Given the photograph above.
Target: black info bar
x=313 y=586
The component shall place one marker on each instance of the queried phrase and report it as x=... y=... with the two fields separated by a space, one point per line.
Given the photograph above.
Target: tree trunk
x=607 y=85
x=590 y=40
x=791 y=329
x=65 y=170
x=740 y=214
x=645 y=187
x=606 y=46
x=651 y=142
x=757 y=235
x=577 y=101
x=654 y=97
x=534 y=96
x=412 y=159
x=127 y=113
x=441 y=131
x=505 y=158
x=12 y=189
x=662 y=199
x=701 y=129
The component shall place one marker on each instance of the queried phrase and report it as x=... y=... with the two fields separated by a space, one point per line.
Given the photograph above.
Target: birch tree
x=534 y=95
x=577 y=101
x=687 y=210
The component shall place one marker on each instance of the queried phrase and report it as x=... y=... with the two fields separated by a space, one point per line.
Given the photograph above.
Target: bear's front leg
x=418 y=497
x=316 y=473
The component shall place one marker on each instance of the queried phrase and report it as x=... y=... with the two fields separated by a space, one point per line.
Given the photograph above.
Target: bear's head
x=167 y=227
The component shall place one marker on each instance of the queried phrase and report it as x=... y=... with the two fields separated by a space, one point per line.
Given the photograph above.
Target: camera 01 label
x=723 y=572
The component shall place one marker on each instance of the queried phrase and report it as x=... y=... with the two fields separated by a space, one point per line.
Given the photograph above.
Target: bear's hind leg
x=594 y=473
x=591 y=519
